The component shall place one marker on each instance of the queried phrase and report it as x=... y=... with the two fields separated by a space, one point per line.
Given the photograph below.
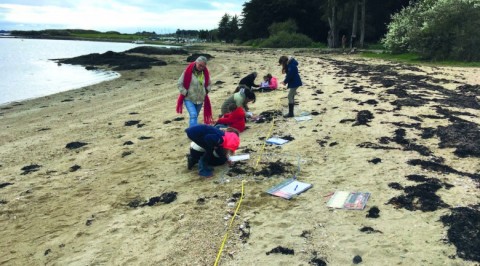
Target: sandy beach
x=78 y=168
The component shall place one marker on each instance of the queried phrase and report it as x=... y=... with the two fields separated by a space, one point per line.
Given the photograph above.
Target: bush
x=253 y=43
x=287 y=26
x=286 y=40
x=437 y=30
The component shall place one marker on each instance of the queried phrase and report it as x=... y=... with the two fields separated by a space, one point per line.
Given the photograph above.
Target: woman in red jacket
x=235 y=118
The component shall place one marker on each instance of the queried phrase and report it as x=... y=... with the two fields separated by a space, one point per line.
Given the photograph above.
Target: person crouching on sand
x=235 y=118
x=241 y=98
x=210 y=147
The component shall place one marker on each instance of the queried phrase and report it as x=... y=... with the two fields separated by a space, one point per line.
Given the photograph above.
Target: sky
x=125 y=16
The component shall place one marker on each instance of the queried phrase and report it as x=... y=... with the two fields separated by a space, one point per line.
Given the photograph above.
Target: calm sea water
x=26 y=71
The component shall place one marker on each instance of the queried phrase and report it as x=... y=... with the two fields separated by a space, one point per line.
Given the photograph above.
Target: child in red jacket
x=235 y=118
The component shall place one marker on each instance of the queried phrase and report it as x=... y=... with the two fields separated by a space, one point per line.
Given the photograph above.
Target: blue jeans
x=204 y=169
x=193 y=110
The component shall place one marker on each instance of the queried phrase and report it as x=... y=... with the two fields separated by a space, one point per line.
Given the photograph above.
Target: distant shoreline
x=64 y=38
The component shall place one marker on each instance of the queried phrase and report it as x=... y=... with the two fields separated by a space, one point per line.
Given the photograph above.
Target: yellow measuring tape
x=225 y=237
x=229 y=226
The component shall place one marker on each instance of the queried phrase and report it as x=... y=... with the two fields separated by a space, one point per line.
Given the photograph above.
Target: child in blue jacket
x=292 y=80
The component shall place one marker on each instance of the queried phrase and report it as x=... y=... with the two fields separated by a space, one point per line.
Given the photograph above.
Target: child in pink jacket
x=269 y=84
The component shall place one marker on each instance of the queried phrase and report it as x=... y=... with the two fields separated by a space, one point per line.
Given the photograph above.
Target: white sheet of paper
x=277 y=141
x=303 y=118
x=240 y=157
x=295 y=187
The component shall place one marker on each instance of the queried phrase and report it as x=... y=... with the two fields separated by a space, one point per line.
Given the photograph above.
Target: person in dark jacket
x=292 y=80
x=249 y=81
x=210 y=146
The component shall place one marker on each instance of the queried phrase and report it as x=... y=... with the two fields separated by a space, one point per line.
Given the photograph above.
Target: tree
x=437 y=30
x=362 y=23
x=354 y=23
x=332 y=22
x=335 y=18
x=223 y=27
x=233 y=28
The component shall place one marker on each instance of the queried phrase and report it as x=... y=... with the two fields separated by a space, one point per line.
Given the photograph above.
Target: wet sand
x=79 y=169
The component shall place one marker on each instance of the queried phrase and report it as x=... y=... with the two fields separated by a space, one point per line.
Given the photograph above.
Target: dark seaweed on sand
x=126 y=153
x=409 y=145
x=268 y=116
x=281 y=250
x=421 y=197
x=74 y=168
x=317 y=262
x=395 y=185
x=462 y=135
x=287 y=137
x=2 y=185
x=369 y=230
x=274 y=168
x=132 y=123
x=464 y=231
x=374 y=212
x=375 y=146
x=239 y=168
x=75 y=145
x=244 y=232
x=363 y=117
x=437 y=167
x=166 y=198
x=30 y=169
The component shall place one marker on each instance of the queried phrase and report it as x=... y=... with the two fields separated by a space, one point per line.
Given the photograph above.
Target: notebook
x=348 y=200
x=289 y=188
x=239 y=157
x=303 y=118
x=276 y=141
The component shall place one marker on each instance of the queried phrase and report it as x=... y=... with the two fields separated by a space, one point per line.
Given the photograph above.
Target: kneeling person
x=210 y=147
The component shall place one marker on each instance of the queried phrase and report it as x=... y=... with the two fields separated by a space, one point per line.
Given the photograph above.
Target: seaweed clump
x=464 y=231
x=421 y=197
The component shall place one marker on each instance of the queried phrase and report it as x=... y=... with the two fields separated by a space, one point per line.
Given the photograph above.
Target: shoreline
x=112 y=75
x=75 y=205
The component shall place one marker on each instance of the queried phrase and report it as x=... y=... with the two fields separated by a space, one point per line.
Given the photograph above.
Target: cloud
x=117 y=15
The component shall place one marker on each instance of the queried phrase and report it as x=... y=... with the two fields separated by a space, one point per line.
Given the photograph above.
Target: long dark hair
x=283 y=62
x=250 y=95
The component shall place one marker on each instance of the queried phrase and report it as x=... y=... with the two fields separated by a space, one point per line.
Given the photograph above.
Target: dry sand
x=59 y=215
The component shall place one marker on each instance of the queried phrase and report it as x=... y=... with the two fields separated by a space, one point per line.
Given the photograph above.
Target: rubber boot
x=290 y=110
x=193 y=158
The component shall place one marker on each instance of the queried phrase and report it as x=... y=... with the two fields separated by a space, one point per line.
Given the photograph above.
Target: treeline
x=321 y=21
x=59 y=33
x=72 y=32
x=434 y=29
